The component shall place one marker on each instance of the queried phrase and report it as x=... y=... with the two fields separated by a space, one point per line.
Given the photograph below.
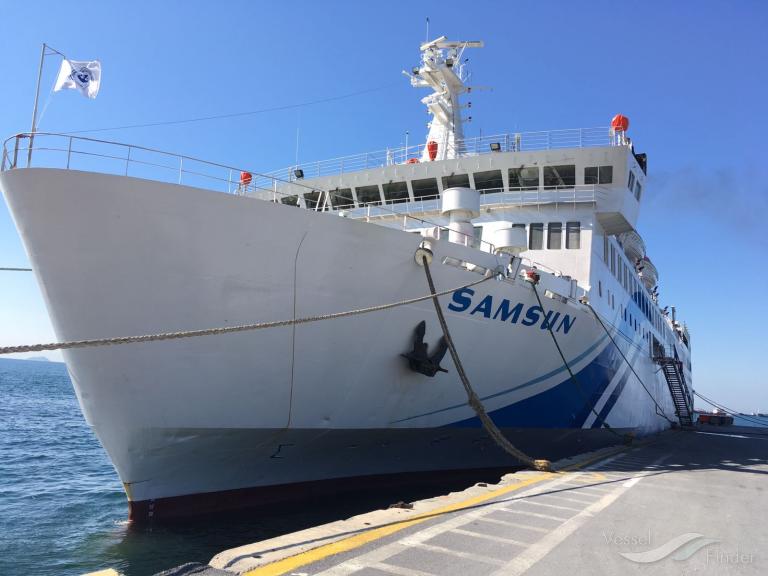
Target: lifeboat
x=649 y=275
x=633 y=244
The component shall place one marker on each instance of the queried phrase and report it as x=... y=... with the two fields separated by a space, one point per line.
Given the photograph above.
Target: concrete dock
x=684 y=502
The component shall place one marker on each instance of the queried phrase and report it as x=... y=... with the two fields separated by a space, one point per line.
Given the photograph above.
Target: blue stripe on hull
x=565 y=405
x=609 y=404
x=536 y=380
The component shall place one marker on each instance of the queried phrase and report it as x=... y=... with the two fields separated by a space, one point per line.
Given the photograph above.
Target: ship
x=550 y=299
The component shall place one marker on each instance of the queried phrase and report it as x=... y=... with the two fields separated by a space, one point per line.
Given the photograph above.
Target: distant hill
x=37 y=358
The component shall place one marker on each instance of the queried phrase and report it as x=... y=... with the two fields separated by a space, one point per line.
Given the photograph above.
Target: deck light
x=495 y=147
x=299 y=173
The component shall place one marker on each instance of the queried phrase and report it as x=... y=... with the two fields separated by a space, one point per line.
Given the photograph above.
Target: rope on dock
x=66 y=345
x=472 y=398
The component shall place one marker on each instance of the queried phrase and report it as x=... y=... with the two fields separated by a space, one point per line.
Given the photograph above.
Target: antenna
x=442 y=71
x=298 y=128
x=427 y=38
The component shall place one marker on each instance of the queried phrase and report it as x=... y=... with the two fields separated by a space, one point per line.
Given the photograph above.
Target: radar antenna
x=443 y=70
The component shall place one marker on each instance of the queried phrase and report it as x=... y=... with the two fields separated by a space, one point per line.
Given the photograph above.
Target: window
x=555 y=235
x=487 y=181
x=311 y=199
x=290 y=200
x=536 y=236
x=613 y=260
x=638 y=190
x=605 y=248
x=600 y=288
x=341 y=198
x=560 y=176
x=598 y=175
x=524 y=178
x=456 y=181
x=631 y=181
x=396 y=192
x=521 y=226
x=573 y=235
x=425 y=188
x=477 y=241
x=368 y=195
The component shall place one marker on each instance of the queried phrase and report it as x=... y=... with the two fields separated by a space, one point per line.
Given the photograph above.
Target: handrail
x=507 y=142
x=70 y=151
x=495 y=197
x=180 y=169
x=185 y=168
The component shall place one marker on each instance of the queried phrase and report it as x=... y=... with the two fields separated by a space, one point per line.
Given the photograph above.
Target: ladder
x=673 y=373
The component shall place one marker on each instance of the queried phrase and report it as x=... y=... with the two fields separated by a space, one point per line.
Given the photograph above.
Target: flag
x=82 y=76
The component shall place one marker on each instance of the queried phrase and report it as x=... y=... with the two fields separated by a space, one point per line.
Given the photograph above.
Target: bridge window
x=425 y=188
x=311 y=199
x=638 y=190
x=290 y=200
x=598 y=175
x=536 y=236
x=560 y=176
x=368 y=195
x=555 y=235
x=573 y=235
x=524 y=178
x=396 y=192
x=456 y=181
x=631 y=181
x=342 y=198
x=487 y=181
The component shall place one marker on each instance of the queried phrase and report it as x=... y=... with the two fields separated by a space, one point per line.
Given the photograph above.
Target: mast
x=34 y=109
x=443 y=71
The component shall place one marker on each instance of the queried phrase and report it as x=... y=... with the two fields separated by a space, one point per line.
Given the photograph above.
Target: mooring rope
x=472 y=398
x=223 y=330
x=658 y=407
x=730 y=411
x=627 y=438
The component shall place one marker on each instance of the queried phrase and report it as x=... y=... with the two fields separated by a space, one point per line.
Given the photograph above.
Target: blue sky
x=690 y=75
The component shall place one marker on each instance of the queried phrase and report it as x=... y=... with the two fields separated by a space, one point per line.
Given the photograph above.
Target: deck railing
x=506 y=142
x=89 y=154
x=499 y=198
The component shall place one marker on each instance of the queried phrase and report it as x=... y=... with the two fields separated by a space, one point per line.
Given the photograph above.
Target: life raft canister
x=620 y=123
x=432 y=149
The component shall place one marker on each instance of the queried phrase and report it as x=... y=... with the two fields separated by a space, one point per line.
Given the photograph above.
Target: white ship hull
x=285 y=406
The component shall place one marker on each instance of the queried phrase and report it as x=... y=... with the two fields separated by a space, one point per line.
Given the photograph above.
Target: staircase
x=673 y=372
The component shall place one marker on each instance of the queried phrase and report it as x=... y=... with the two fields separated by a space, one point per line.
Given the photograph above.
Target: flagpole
x=34 y=110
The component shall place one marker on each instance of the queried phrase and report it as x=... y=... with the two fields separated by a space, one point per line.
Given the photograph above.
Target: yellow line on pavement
x=280 y=567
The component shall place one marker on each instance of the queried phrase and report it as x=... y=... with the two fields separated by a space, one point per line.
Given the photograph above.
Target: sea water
x=62 y=507
x=63 y=510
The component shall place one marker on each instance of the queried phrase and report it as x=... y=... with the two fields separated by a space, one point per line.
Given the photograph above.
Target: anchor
x=419 y=359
